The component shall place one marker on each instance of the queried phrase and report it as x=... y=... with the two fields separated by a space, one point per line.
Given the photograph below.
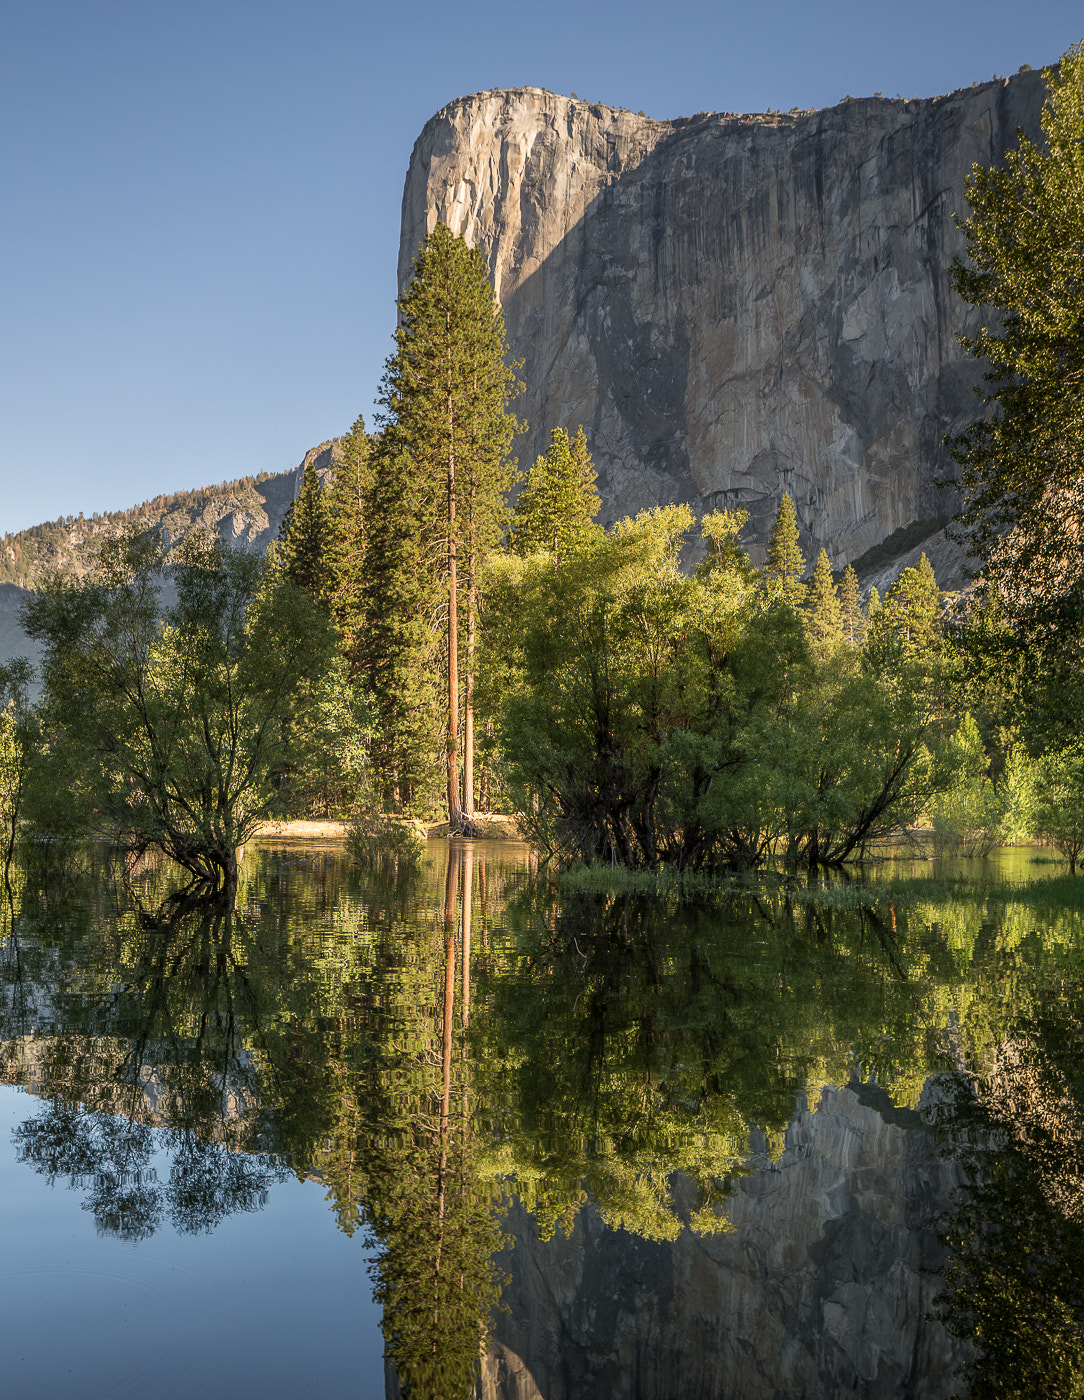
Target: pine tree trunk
x=468 y=706
x=455 y=809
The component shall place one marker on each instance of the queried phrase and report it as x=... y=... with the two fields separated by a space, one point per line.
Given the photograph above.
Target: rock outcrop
x=733 y=306
x=822 y=1289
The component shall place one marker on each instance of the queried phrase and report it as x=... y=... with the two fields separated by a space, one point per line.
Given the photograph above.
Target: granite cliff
x=733 y=306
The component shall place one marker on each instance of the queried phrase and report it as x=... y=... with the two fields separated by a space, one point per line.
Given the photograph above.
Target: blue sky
x=200 y=214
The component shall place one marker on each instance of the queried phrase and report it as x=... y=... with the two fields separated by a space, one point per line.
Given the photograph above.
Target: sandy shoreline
x=497 y=828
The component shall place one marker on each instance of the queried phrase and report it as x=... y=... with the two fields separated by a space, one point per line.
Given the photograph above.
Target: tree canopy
x=1023 y=461
x=170 y=717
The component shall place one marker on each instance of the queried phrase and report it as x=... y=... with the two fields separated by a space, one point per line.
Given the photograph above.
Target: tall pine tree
x=444 y=398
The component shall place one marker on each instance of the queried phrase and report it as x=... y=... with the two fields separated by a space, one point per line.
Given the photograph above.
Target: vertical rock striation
x=733 y=306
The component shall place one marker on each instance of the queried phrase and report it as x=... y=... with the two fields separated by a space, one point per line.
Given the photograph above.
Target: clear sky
x=200 y=198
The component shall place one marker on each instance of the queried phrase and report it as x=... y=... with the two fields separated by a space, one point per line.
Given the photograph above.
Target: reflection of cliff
x=731 y=305
x=819 y=1291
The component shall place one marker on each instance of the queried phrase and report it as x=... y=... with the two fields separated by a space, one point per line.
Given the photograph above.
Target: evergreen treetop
x=558 y=502
x=346 y=509
x=850 y=608
x=824 y=616
x=785 y=564
x=301 y=553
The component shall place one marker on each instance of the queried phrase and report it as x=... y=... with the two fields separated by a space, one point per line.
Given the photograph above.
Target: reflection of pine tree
x=429 y=1213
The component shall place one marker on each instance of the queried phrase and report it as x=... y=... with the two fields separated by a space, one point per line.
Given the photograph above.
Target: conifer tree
x=559 y=501
x=912 y=611
x=400 y=645
x=444 y=397
x=850 y=608
x=825 y=620
x=302 y=546
x=785 y=563
x=346 y=508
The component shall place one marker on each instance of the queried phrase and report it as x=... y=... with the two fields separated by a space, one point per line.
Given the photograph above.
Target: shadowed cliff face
x=821 y=1290
x=732 y=306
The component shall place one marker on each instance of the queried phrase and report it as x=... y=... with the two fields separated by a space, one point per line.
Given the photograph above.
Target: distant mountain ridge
x=246 y=512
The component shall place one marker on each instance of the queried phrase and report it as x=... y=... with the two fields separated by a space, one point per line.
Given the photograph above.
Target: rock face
x=820 y=1290
x=733 y=306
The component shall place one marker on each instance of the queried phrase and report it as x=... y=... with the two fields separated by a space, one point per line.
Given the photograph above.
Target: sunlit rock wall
x=733 y=306
x=821 y=1289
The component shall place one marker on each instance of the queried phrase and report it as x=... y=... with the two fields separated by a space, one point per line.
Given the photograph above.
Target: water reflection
x=722 y=1132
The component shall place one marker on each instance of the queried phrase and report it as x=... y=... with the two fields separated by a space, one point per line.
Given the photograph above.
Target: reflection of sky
x=273 y=1304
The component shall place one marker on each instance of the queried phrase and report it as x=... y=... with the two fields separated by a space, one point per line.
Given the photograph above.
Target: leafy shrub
x=375 y=837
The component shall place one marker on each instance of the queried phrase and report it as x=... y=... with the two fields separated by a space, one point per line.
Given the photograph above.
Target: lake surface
x=742 y=1145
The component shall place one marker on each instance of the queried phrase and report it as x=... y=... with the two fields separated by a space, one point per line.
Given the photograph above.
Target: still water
x=619 y=1146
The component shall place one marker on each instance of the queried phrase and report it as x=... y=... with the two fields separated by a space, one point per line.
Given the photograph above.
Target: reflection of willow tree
x=631 y=1037
x=147 y=1054
x=1014 y=1278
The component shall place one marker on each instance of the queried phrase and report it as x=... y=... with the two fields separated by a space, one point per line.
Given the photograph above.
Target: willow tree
x=1023 y=462
x=444 y=398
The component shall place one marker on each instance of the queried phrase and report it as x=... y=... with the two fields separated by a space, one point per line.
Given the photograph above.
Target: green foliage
x=824 y=615
x=1018 y=789
x=301 y=553
x=376 y=837
x=330 y=735
x=558 y=502
x=1060 y=814
x=648 y=718
x=172 y=718
x=1023 y=464
x=785 y=564
x=967 y=814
